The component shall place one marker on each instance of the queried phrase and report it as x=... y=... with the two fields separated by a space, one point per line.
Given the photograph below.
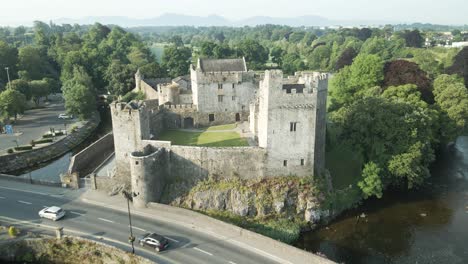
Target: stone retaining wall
x=28 y=180
x=276 y=250
x=21 y=160
x=92 y=156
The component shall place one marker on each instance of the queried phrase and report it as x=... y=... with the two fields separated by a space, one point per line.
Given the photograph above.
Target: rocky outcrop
x=290 y=197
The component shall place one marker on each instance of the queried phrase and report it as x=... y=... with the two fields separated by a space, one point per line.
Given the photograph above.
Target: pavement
x=96 y=216
x=34 y=123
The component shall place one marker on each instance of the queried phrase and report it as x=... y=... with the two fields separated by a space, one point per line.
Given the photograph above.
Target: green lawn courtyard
x=207 y=138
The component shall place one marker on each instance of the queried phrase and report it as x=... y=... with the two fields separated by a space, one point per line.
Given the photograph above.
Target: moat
x=429 y=225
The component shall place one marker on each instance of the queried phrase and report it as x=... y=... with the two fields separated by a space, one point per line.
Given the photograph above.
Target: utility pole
x=129 y=196
x=8 y=75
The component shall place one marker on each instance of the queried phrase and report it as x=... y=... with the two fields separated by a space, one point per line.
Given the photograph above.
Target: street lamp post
x=129 y=196
x=8 y=75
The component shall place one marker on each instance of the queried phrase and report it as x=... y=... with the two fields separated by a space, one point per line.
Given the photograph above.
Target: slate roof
x=222 y=65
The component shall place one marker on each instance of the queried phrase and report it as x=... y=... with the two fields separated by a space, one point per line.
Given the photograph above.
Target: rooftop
x=222 y=65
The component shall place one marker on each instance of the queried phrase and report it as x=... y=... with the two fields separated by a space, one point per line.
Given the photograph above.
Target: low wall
x=92 y=156
x=276 y=250
x=31 y=181
x=21 y=160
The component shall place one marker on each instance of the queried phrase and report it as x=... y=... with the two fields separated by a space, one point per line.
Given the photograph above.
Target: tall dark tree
x=413 y=38
x=460 y=65
x=402 y=72
x=346 y=58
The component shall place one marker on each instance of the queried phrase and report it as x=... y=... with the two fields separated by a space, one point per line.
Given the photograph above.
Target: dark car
x=155 y=241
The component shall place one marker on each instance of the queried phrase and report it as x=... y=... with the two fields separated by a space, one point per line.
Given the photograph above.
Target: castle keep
x=287 y=121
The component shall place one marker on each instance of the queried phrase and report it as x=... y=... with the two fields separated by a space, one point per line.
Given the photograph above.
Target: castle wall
x=148 y=168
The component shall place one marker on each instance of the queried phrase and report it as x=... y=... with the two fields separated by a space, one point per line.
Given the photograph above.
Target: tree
x=39 y=89
x=23 y=87
x=79 y=94
x=402 y=72
x=396 y=135
x=207 y=49
x=176 y=60
x=351 y=82
x=371 y=184
x=460 y=65
x=292 y=63
x=255 y=54
x=8 y=58
x=120 y=78
x=12 y=103
x=223 y=51
x=277 y=54
x=346 y=58
x=413 y=38
x=319 y=58
x=451 y=96
x=33 y=62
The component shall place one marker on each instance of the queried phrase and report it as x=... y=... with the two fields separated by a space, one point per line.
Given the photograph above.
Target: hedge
x=42 y=141
x=20 y=148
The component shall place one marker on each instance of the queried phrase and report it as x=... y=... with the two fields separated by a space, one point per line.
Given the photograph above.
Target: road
x=34 y=123
x=186 y=246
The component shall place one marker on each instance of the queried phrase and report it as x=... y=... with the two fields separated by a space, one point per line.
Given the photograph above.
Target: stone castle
x=286 y=118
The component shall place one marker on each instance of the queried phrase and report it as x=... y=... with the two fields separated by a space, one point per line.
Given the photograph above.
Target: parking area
x=34 y=123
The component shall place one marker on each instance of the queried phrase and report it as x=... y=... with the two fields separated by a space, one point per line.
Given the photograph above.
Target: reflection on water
x=425 y=226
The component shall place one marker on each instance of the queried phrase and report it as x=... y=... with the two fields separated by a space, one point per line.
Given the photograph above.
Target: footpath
x=248 y=240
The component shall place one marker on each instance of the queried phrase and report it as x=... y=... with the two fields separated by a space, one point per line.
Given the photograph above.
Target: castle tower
x=291 y=123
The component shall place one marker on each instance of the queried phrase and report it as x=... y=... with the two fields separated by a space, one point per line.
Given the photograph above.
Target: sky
x=441 y=12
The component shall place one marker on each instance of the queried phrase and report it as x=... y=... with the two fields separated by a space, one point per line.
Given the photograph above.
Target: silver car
x=53 y=213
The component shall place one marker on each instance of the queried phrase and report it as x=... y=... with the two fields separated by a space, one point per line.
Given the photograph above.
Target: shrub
x=42 y=141
x=22 y=148
x=60 y=133
x=10 y=150
x=32 y=143
x=13 y=231
x=74 y=128
x=48 y=136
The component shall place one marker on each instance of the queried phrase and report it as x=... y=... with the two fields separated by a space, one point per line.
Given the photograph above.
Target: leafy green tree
x=33 y=61
x=255 y=54
x=223 y=51
x=176 y=60
x=23 y=87
x=207 y=49
x=292 y=63
x=12 y=103
x=277 y=54
x=451 y=96
x=350 y=82
x=371 y=183
x=39 y=89
x=8 y=58
x=79 y=94
x=120 y=77
x=319 y=58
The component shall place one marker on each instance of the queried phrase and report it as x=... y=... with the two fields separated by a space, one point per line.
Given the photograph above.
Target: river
x=429 y=225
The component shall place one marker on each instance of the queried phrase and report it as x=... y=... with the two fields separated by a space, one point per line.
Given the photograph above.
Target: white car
x=65 y=116
x=52 y=213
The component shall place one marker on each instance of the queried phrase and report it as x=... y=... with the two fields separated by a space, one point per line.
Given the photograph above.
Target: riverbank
x=428 y=225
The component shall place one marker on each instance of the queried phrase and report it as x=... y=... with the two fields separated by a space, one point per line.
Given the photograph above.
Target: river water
x=429 y=225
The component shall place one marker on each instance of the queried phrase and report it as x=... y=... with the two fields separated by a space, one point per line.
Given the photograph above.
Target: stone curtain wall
x=21 y=160
x=89 y=158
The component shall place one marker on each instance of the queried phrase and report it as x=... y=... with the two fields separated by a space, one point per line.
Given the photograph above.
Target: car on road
x=155 y=241
x=65 y=116
x=53 y=213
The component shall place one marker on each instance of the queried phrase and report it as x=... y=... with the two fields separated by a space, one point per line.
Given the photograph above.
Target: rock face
x=286 y=198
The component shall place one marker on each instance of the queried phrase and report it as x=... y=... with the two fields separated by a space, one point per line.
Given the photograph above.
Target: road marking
x=231 y=262
x=76 y=213
x=106 y=220
x=19 y=190
x=173 y=240
x=141 y=229
x=23 y=202
x=1 y=197
x=203 y=251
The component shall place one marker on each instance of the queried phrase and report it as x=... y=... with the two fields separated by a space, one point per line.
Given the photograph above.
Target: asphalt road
x=34 y=123
x=186 y=246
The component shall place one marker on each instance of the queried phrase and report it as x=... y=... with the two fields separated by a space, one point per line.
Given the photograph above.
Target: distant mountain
x=170 y=19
